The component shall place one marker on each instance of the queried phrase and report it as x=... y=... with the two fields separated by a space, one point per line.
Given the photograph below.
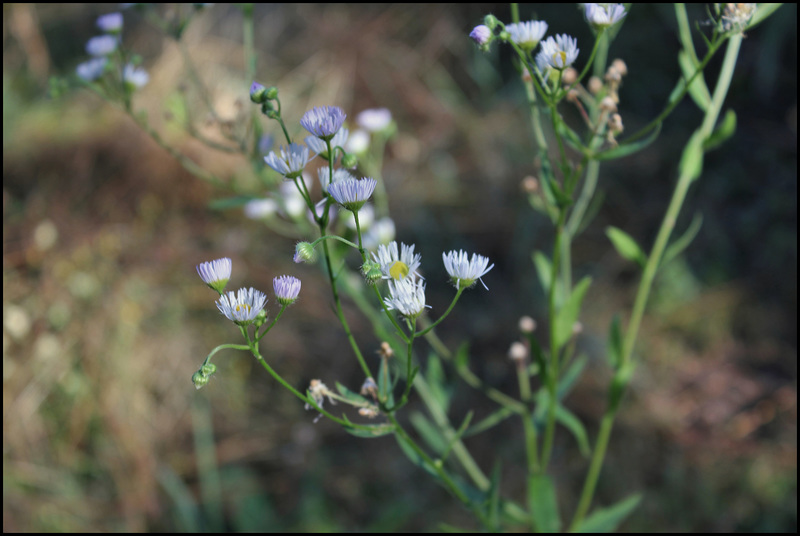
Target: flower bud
x=304 y=252
x=349 y=161
x=272 y=93
x=490 y=21
x=527 y=324
x=208 y=369
x=372 y=272
x=258 y=93
x=199 y=379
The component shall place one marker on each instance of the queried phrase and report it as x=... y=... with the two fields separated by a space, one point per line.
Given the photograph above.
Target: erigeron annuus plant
x=558 y=71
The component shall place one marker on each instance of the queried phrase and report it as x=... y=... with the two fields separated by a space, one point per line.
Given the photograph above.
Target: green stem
x=684 y=181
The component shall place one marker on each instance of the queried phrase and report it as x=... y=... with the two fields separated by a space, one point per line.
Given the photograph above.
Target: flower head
x=464 y=272
x=286 y=289
x=604 y=15
x=318 y=391
x=396 y=266
x=320 y=147
x=242 y=307
x=481 y=34
x=527 y=34
x=134 y=78
x=216 y=273
x=324 y=121
x=259 y=209
x=374 y=119
x=735 y=17
x=92 y=69
x=110 y=22
x=339 y=174
x=291 y=162
x=407 y=296
x=102 y=45
x=352 y=193
x=558 y=52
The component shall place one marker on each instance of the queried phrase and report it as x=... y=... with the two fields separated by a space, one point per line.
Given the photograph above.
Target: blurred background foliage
x=105 y=320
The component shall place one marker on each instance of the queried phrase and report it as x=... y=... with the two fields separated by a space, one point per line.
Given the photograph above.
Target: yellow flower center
x=243 y=306
x=563 y=56
x=398 y=271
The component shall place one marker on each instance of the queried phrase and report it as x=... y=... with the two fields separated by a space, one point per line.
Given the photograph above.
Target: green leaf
x=544 y=269
x=571 y=376
x=494 y=497
x=489 y=421
x=230 y=202
x=591 y=212
x=570 y=136
x=568 y=314
x=692 y=158
x=552 y=191
x=371 y=430
x=568 y=419
x=763 y=11
x=543 y=504
x=614 y=346
x=697 y=89
x=385 y=385
x=428 y=432
x=608 y=519
x=722 y=133
x=350 y=395
x=683 y=242
x=628 y=148
x=626 y=246
x=619 y=384
x=462 y=356
x=438 y=382
x=414 y=456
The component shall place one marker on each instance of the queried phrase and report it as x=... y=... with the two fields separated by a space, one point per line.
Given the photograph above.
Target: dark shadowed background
x=105 y=320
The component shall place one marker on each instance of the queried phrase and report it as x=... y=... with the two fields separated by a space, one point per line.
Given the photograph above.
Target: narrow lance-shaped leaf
x=677 y=247
x=568 y=314
x=628 y=148
x=722 y=133
x=543 y=503
x=697 y=89
x=626 y=246
x=608 y=519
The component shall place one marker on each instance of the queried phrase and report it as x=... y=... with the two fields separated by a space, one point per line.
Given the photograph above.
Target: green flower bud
x=490 y=21
x=208 y=369
x=349 y=161
x=304 y=252
x=272 y=93
x=199 y=379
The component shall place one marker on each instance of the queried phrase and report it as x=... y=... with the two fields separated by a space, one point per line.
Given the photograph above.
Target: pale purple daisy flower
x=133 y=77
x=558 y=52
x=398 y=265
x=464 y=271
x=286 y=289
x=407 y=296
x=102 y=45
x=323 y=121
x=527 y=34
x=352 y=193
x=481 y=34
x=374 y=119
x=291 y=162
x=321 y=148
x=242 y=307
x=339 y=174
x=604 y=15
x=110 y=22
x=92 y=69
x=216 y=273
